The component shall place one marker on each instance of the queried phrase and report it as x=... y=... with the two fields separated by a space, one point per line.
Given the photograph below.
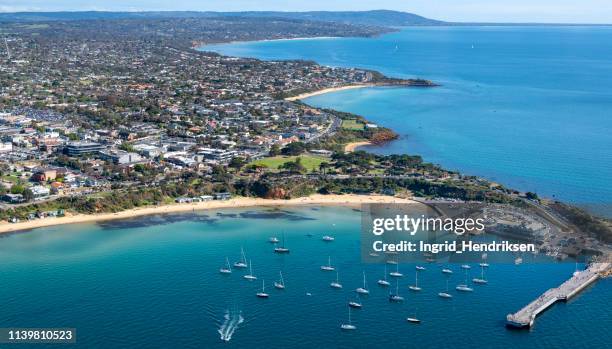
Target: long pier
x=525 y=317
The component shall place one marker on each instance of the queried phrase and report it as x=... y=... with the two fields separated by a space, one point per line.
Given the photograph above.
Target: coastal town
x=104 y=116
x=95 y=115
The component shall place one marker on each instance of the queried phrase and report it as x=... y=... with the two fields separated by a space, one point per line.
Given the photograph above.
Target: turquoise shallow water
x=529 y=107
x=153 y=282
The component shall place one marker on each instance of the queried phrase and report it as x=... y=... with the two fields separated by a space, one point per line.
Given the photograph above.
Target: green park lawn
x=352 y=124
x=310 y=162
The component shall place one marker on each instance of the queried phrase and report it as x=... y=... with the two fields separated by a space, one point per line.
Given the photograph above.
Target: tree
x=323 y=166
x=275 y=150
x=294 y=166
x=237 y=163
x=127 y=147
x=17 y=189
x=295 y=148
x=28 y=195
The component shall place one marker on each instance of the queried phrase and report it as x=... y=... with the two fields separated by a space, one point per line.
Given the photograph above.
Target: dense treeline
x=597 y=227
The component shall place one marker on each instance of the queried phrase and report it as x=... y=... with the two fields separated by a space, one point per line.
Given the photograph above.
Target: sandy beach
x=349 y=147
x=203 y=45
x=339 y=200
x=328 y=90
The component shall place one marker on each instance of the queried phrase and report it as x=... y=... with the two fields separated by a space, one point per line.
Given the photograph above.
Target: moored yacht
x=328 y=238
x=396 y=273
x=273 y=239
x=356 y=303
x=413 y=319
x=280 y=284
x=464 y=287
x=242 y=262
x=336 y=284
x=396 y=298
x=226 y=269
x=328 y=267
x=349 y=326
x=263 y=293
x=364 y=289
x=250 y=275
x=484 y=263
x=384 y=282
x=481 y=280
x=445 y=294
x=447 y=271
x=415 y=287
x=281 y=248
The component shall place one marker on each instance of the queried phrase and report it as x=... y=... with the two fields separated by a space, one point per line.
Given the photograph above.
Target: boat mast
x=364 y=281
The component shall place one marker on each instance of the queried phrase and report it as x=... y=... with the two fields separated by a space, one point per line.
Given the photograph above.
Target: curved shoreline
x=349 y=200
x=202 y=45
x=350 y=147
x=328 y=90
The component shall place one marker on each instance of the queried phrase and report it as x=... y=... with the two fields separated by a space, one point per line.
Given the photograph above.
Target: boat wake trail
x=230 y=325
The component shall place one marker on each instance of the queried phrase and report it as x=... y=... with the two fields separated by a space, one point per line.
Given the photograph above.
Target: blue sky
x=567 y=11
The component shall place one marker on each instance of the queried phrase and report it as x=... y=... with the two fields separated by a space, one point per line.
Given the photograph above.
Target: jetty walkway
x=581 y=279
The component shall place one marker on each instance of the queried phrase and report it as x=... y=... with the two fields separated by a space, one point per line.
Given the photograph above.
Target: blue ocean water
x=529 y=107
x=153 y=282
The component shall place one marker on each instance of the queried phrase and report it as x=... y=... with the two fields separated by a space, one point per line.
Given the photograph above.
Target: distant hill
x=377 y=17
x=373 y=18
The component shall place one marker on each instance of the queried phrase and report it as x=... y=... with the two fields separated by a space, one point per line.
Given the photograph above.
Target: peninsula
x=122 y=114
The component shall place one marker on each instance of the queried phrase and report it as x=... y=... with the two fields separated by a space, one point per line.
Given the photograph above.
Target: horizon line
x=442 y=22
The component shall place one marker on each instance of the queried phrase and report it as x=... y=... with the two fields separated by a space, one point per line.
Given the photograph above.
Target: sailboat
x=273 y=239
x=242 y=262
x=445 y=294
x=226 y=269
x=281 y=248
x=384 y=282
x=364 y=289
x=481 y=279
x=465 y=266
x=328 y=267
x=250 y=275
x=396 y=273
x=484 y=264
x=356 y=303
x=336 y=284
x=414 y=319
x=415 y=287
x=263 y=293
x=280 y=284
x=396 y=297
x=328 y=238
x=464 y=287
x=447 y=271
x=349 y=326
x=418 y=267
